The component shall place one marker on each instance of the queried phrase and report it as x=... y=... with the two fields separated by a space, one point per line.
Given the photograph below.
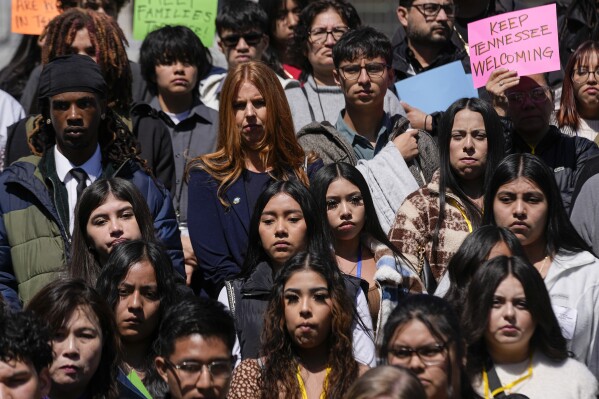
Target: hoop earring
x=48 y=121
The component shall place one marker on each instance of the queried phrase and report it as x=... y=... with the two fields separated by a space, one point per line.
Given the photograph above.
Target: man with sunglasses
x=194 y=349
x=242 y=36
x=527 y=101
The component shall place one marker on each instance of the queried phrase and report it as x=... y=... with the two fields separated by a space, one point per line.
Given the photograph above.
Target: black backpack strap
x=494 y=382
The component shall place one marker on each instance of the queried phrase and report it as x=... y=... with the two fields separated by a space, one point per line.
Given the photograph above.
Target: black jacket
x=151 y=132
x=565 y=155
x=248 y=300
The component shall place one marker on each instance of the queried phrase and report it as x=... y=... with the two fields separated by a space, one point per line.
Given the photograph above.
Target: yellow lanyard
x=532 y=149
x=303 y=387
x=457 y=205
x=505 y=387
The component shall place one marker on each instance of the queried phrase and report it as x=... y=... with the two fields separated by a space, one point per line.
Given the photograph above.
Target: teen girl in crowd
x=307 y=349
x=321 y=24
x=109 y=212
x=433 y=221
x=285 y=222
x=283 y=16
x=361 y=247
x=483 y=244
x=579 y=107
x=139 y=285
x=514 y=341
x=423 y=335
x=256 y=145
x=523 y=197
x=387 y=382
x=84 y=340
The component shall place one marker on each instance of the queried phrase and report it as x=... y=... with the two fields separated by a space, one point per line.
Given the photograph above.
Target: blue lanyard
x=359 y=265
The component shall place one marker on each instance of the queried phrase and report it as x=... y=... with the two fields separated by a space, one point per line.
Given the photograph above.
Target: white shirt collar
x=93 y=166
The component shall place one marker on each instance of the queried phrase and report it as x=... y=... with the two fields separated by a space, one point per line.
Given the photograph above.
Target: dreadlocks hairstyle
x=279 y=148
x=117 y=143
x=279 y=350
x=108 y=41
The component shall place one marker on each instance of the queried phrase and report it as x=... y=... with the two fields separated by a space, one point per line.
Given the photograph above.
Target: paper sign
x=197 y=15
x=30 y=17
x=525 y=41
x=437 y=89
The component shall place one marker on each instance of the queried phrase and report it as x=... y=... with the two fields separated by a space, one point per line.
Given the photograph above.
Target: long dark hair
x=85 y=262
x=449 y=179
x=559 y=232
x=281 y=362
x=568 y=114
x=122 y=258
x=55 y=304
x=473 y=252
x=441 y=321
x=342 y=170
x=14 y=76
x=316 y=239
x=547 y=336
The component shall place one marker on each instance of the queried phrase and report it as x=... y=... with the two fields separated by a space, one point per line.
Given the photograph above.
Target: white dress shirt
x=93 y=168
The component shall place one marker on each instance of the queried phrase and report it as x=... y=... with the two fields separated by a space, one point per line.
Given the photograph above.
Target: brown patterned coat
x=415 y=224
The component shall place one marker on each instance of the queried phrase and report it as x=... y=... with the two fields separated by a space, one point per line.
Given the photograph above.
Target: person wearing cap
x=76 y=140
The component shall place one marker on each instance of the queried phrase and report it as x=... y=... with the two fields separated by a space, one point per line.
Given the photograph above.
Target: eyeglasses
x=581 y=75
x=373 y=69
x=432 y=9
x=218 y=369
x=536 y=95
x=251 y=38
x=430 y=355
x=319 y=35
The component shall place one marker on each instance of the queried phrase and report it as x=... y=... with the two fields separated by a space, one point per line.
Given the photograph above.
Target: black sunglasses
x=251 y=38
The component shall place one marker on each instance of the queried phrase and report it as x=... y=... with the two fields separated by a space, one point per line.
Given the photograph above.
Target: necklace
x=358 y=264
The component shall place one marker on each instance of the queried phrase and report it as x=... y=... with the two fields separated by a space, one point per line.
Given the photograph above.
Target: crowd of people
x=287 y=227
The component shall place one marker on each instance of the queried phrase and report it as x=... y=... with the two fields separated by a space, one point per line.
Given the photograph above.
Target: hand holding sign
x=525 y=41
x=499 y=81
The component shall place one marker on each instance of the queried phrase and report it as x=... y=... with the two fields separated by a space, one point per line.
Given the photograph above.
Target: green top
x=137 y=382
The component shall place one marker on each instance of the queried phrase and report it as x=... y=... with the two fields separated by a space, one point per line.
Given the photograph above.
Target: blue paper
x=437 y=89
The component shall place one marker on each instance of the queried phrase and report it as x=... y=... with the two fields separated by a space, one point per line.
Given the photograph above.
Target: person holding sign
x=523 y=197
x=528 y=103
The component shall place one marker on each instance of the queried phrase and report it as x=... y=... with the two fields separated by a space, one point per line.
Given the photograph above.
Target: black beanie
x=71 y=73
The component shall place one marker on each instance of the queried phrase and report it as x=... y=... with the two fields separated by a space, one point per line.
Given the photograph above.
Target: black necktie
x=81 y=177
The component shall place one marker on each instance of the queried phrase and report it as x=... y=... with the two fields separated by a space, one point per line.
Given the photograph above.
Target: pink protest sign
x=525 y=41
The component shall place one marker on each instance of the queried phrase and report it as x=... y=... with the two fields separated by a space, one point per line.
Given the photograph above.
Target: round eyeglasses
x=581 y=75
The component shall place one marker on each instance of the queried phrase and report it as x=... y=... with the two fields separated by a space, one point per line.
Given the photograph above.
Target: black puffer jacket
x=566 y=155
x=248 y=300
